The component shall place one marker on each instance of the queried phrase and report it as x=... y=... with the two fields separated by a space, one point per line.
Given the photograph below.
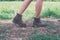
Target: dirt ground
x=9 y=31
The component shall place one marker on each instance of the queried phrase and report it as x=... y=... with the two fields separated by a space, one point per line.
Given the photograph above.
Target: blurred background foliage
x=9 y=9
x=33 y=0
x=50 y=9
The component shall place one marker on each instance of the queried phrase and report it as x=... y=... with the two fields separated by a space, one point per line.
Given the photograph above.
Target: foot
x=37 y=23
x=18 y=20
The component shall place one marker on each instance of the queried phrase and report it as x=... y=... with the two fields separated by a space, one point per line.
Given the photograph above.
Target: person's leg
x=24 y=6
x=38 y=8
x=18 y=17
x=37 y=21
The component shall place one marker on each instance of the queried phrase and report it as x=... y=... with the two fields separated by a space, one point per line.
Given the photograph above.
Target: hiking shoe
x=18 y=20
x=37 y=23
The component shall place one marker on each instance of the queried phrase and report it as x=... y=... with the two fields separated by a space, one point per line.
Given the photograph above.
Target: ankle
x=37 y=19
x=19 y=14
x=18 y=17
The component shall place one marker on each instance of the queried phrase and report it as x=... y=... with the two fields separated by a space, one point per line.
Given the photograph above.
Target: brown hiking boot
x=37 y=23
x=18 y=20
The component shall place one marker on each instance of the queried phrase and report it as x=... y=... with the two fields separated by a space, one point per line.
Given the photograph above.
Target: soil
x=13 y=32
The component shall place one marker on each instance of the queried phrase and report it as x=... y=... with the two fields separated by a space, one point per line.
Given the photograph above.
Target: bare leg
x=38 y=8
x=24 y=6
x=37 y=21
x=18 y=18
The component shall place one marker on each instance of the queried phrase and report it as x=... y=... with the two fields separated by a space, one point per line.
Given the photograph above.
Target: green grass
x=50 y=9
x=9 y=9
